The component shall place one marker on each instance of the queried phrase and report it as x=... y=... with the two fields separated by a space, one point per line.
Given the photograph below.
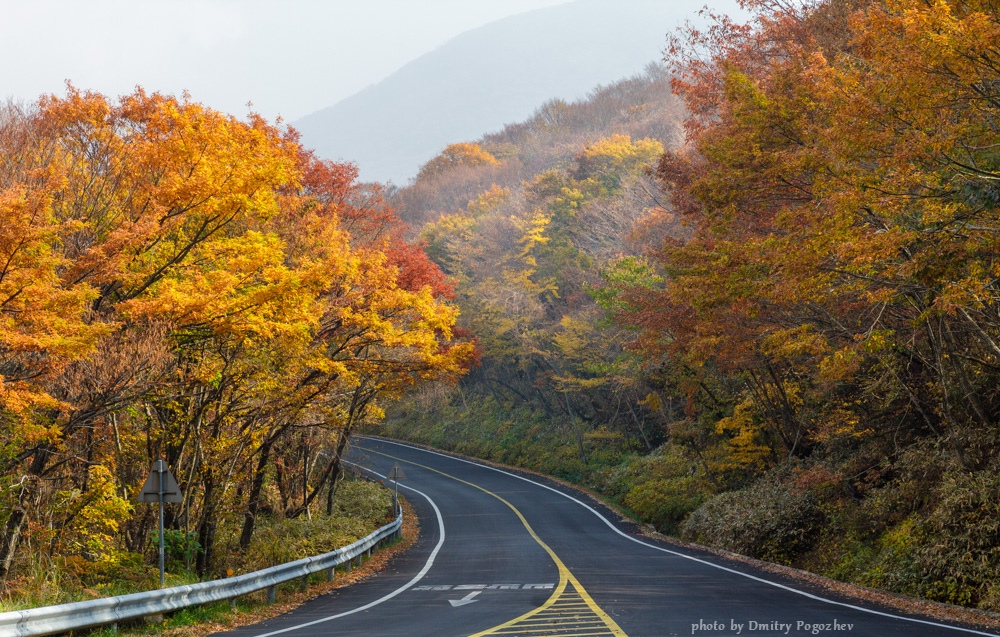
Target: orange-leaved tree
x=838 y=183
x=186 y=284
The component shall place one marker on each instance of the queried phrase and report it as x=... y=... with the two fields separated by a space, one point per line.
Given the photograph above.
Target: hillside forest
x=750 y=295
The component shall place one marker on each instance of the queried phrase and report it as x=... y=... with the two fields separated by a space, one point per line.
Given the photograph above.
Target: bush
x=951 y=553
x=661 y=488
x=664 y=503
x=768 y=520
x=359 y=508
x=180 y=548
x=362 y=499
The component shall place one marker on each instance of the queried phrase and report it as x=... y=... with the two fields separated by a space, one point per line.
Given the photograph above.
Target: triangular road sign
x=397 y=473
x=151 y=488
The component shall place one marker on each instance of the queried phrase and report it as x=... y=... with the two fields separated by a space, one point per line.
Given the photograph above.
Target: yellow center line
x=566 y=578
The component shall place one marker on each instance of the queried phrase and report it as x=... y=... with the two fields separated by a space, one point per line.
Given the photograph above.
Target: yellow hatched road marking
x=569 y=610
x=567 y=613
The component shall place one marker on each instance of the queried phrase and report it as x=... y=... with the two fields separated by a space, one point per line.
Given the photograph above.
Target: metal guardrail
x=48 y=620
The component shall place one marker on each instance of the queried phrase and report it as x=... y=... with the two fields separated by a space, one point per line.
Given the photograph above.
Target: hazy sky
x=288 y=57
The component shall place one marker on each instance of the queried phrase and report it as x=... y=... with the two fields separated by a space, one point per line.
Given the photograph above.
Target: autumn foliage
x=179 y=283
x=528 y=240
x=834 y=310
x=840 y=191
x=774 y=327
x=791 y=346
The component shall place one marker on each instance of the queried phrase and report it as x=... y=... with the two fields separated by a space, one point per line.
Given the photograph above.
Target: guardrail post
x=331 y=573
x=232 y=603
x=270 y=594
x=304 y=583
x=350 y=565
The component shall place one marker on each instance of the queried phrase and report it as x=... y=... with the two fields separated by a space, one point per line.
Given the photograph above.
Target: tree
x=834 y=183
x=461 y=154
x=176 y=282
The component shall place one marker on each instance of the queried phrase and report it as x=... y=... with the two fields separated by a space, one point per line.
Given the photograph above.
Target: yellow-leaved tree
x=184 y=284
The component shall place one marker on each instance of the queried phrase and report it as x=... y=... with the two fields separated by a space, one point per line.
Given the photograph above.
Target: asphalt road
x=505 y=554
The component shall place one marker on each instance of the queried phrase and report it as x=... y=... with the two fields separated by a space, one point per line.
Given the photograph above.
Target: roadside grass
x=360 y=508
x=198 y=621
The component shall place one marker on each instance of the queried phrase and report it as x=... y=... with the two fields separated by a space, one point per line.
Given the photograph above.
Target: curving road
x=504 y=554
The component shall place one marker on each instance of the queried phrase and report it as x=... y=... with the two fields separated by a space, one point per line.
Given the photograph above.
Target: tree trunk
x=11 y=538
x=330 y=475
x=19 y=516
x=206 y=532
x=331 y=493
x=638 y=424
x=256 y=487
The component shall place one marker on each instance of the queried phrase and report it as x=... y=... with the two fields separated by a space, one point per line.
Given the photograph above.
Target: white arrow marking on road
x=465 y=600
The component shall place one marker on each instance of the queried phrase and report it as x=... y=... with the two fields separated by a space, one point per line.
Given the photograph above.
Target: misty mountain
x=487 y=77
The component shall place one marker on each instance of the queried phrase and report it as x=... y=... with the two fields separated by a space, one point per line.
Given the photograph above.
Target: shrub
x=362 y=499
x=951 y=553
x=360 y=507
x=661 y=488
x=180 y=548
x=768 y=520
x=664 y=503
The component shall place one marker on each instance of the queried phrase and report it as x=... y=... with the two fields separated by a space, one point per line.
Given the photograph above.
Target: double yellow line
x=566 y=578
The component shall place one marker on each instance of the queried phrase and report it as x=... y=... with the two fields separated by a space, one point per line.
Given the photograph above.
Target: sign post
x=160 y=487
x=396 y=475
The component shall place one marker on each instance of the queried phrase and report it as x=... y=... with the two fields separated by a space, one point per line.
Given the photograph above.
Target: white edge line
x=402 y=589
x=689 y=557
